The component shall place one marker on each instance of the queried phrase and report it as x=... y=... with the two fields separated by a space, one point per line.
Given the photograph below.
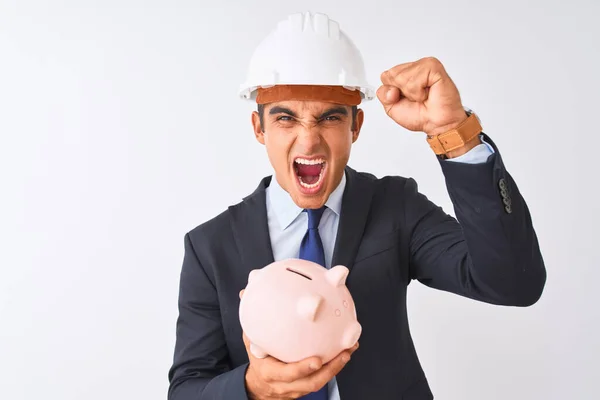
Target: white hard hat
x=306 y=50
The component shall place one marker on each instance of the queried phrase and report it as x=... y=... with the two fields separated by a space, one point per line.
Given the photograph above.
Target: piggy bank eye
x=345 y=304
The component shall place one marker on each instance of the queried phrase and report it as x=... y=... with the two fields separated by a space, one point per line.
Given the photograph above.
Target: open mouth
x=309 y=172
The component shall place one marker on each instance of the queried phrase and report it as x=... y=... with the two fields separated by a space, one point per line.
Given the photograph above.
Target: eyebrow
x=331 y=111
x=335 y=110
x=281 y=110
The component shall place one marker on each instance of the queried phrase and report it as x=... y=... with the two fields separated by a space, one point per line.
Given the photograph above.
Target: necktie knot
x=314 y=216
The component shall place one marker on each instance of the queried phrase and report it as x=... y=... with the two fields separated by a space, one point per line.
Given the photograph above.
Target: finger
x=387 y=76
x=275 y=370
x=317 y=380
x=260 y=366
x=241 y=293
x=415 y=80
x=403 y=110
x=388 y=95
x=390 y=76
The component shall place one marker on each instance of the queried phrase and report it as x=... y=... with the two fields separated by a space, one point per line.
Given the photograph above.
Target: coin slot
x=299 y=273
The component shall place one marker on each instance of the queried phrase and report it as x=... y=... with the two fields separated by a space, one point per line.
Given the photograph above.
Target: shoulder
x=386 y=184
x=212 y=226
x=216 y=230
x=389 y=194
x=217 y=226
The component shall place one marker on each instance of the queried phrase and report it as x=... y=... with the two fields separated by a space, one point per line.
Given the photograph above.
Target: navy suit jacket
x=389 y=234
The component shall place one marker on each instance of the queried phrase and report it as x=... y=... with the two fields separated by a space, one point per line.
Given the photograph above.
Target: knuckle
x=277 y=391
x=411 y=81
x=316 y=385
x=265 y=376
x=285 y=378
x=311 y=386
x=292 y=376
x=432 y=60
x=270 y=392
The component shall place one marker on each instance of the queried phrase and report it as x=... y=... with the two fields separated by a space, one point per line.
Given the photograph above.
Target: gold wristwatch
x=455 y=138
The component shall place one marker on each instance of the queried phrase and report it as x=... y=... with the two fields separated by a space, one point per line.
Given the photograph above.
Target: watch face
x=469 y=112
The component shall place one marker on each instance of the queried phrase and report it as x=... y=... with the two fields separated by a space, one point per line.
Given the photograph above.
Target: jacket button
x=508 y=208
x=502 y=184
x=503 y=192
x=507 y=201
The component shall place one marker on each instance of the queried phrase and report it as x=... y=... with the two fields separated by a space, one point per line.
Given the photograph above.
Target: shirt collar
x=286 y=211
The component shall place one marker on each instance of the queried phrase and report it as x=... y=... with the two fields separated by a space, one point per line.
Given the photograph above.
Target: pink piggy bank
x=294 y=309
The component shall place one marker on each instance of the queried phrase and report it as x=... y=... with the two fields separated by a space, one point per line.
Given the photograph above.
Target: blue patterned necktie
x=311 y=249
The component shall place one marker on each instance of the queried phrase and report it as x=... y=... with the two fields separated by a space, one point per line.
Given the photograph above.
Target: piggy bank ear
x=336 y=276
x=308 y=305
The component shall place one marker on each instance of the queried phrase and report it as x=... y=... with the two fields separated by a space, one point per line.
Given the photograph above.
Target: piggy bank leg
x=351 y=335
x=257 y=351
x=252 y=275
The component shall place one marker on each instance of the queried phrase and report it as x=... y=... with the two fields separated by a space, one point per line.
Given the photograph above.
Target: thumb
x=388 y=95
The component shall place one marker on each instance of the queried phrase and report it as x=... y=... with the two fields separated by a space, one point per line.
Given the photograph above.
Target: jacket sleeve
x=491 y=253
x=200 y=367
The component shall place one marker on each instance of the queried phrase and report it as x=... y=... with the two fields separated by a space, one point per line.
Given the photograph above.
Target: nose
x=309 y=139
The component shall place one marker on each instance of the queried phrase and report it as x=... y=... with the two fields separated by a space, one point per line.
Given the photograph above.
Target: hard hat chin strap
x=332 y=94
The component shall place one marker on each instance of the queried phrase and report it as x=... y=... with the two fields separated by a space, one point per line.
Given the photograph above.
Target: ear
x=258 y=131
x=360 y=118
x=336 y=276
x=308 y=305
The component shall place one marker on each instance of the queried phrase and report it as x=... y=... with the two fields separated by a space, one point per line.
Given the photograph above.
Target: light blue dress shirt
x=288 y=223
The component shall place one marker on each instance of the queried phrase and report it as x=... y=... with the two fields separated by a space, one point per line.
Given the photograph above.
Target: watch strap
x=455 y=138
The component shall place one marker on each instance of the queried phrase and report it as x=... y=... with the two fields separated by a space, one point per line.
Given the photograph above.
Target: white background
x=121 y=130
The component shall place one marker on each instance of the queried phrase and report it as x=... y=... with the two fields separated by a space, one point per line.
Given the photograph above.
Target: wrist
x=457 y=138
x=465 y=149
x=456 y=122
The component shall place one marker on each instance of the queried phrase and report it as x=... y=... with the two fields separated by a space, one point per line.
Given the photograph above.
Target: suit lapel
x=250 y=228
x=356 y=204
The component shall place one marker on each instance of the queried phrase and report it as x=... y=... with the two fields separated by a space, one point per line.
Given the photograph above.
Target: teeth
x=314 y=185
x=309 y=162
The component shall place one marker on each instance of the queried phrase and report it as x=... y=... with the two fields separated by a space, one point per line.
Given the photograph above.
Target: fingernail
x=389 y=94
x=313 y=366
x=345 y=359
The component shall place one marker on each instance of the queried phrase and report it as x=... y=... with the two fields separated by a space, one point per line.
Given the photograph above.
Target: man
x=308 y=78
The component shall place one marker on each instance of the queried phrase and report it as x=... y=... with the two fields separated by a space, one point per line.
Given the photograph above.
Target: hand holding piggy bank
x=295 y=309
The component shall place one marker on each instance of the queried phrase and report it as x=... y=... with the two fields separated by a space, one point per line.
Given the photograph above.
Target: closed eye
x=330 y=118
